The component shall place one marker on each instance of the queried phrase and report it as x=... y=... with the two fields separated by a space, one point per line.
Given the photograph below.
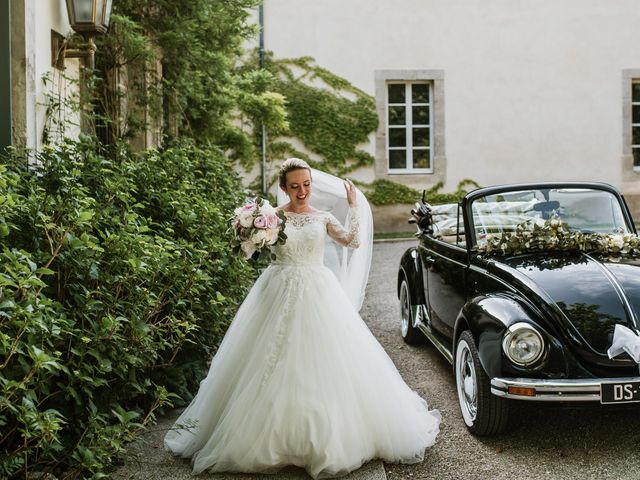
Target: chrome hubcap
x=405 y=309
x=467 y=383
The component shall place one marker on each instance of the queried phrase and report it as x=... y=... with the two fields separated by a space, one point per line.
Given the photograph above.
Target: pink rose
x=260 y=222
x=272 y=221
x=266 y=221
x=250 y=207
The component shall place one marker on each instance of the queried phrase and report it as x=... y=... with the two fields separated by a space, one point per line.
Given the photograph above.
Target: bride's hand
x=351 y=193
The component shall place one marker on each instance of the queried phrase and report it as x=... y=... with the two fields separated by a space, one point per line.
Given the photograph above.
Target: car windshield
x=583 y=209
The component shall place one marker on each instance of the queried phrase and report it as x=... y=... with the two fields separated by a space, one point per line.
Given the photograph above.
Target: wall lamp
x=88 y=18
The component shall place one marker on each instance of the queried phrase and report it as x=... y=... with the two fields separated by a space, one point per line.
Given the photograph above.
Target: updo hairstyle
x=289 y=165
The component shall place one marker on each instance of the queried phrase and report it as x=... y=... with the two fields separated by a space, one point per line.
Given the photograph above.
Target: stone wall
x=392 y=218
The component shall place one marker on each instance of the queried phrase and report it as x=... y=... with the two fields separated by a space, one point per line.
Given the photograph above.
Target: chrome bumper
x=556 y=390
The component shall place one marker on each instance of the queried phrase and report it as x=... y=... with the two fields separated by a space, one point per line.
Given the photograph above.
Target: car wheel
x=483 y=412
x=410 y=333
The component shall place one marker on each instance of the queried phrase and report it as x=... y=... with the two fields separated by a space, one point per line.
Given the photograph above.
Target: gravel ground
x=551 y=442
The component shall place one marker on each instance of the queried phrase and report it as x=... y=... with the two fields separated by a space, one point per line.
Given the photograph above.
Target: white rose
x=248 y=248
x=246 y=219
x=616 y=241
x=259 y=236
x=267 y=209
x=271 y=235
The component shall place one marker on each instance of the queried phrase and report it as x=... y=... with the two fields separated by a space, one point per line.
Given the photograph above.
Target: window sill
x=412 y=172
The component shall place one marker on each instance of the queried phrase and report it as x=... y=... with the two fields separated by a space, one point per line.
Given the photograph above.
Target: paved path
x=546 y=442
x=147 y=460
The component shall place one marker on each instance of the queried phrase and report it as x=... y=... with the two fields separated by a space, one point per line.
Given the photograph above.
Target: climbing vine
x=328 y=115
x=181 y=62
x=386 y=192
x=332 y=118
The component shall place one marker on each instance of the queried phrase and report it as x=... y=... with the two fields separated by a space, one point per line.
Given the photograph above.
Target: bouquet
x=257 y=225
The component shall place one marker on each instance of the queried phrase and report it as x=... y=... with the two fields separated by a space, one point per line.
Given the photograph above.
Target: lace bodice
x=306 y=233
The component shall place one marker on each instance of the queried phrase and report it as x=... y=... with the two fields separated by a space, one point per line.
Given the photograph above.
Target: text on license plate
x=620 y=392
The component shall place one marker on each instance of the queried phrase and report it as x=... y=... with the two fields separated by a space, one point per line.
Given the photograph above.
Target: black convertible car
x=520 y=287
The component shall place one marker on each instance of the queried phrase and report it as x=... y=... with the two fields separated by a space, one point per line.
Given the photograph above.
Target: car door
x=446 y=266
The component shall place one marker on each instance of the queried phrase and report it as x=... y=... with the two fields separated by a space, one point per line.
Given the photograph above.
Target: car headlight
x=522 y=344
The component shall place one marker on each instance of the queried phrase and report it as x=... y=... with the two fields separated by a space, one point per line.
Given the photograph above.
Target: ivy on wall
x=329 y=115
x=325 y=113
x=332 y=118
x=386 y=192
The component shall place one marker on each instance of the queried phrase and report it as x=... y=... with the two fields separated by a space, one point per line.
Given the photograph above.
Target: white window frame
x=422 y=177
x=636 y=168
x=408 y=127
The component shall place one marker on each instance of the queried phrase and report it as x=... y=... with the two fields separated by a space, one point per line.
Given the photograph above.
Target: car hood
x=587 y=294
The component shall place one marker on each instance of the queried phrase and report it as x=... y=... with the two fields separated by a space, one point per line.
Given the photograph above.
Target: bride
x=298 y=378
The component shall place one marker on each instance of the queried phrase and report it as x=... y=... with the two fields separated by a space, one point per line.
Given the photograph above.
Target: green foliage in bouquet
x=117 y=282
x=555 y=235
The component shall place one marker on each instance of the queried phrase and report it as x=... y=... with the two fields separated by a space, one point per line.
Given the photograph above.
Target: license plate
x=628 y=392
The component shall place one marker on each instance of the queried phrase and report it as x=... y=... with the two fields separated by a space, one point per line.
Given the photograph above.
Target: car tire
x=410 y=334
x=483 y=413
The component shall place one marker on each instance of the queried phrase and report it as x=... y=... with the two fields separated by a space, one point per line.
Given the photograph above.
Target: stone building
x=31 y=36
x=41 y=77
x=497 y=91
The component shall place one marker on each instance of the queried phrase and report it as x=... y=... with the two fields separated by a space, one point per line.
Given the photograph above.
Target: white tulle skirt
x=300 y=380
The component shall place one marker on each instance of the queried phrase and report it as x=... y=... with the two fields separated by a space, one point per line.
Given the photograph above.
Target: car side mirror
x=421 y=215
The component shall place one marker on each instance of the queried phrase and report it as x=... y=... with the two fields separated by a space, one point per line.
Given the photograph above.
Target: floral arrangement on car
x=257 y=226
x=554 y=235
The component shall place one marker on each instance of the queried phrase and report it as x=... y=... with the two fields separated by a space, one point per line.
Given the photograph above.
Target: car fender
x=411 y=269
x=488 y=317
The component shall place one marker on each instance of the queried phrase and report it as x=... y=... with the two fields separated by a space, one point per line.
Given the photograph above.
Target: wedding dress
x=299 y=379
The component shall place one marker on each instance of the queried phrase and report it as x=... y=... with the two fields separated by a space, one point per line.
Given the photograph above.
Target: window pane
x=635 y=92
x=397 y=137
x=636 y=157
x=397 y=159
x=421 y=115
x=420 y=137
x=636 y=114
x=397 y=115
x=421 y=159
x=635 y=136
x=396 y=93
x=420 y=93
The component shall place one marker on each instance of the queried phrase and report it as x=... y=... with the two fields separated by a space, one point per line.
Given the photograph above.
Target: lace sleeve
x=349 y=236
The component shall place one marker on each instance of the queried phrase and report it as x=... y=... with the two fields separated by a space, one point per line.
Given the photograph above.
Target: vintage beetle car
x=532 y=326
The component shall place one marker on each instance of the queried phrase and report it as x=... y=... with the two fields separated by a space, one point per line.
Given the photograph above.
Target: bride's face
x=298 y=187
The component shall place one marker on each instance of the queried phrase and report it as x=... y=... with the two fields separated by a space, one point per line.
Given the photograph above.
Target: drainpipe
x=5 y=76
x=263 y=136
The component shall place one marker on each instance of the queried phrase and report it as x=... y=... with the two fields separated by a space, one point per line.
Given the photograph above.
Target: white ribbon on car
x=625 y=340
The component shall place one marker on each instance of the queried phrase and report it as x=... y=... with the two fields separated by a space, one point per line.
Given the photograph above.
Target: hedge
x=117 y=282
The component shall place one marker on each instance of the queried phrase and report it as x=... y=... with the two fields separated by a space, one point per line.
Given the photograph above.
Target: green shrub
x=117 y=282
